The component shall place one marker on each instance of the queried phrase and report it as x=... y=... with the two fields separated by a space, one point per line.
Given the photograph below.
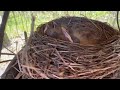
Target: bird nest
x=50 y=58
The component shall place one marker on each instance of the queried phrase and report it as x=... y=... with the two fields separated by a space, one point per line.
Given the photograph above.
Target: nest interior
x=48 y=55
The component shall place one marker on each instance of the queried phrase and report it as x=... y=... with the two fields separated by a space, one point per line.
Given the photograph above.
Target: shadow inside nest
x=50 y=58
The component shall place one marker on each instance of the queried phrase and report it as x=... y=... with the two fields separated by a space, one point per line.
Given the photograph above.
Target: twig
x=60 y=57
x=7 y=54
x=18 y=75
x=5 y=61
x=26 y=38
x=32 y=29
x=32 y=25
x=8 y=49
x=118 y=20
x=37 y=71
x=66 y=34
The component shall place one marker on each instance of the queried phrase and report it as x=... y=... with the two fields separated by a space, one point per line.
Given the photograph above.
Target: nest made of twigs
x=50 y=58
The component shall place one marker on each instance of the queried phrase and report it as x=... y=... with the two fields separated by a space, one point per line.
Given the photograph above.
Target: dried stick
x=8 y=49
x=5 y=61
x=118 y=20
x=7 y=54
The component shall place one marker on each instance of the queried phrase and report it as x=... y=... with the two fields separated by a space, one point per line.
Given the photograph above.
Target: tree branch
x=118 y=20
x=2 y=28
